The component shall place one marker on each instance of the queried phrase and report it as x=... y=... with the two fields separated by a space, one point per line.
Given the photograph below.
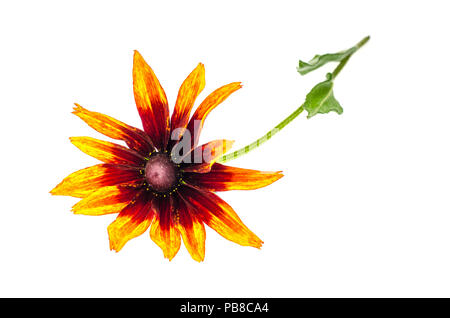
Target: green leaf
x=319 y=60
x=321 y=100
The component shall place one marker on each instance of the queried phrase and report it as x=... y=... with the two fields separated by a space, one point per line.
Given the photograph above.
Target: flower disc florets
x=161 y=173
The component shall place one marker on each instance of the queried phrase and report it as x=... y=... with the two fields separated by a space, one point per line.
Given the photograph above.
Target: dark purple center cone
x=161 y=173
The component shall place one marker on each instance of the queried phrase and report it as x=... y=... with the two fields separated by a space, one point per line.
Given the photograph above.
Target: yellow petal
x=220 y=216
x=151 y=102
x=208 y=154
x=83 y=182
x=211 y=101
x=131 y=222
x=135 y=138
x=225 y=178
x=189 y=90
x=106 y=200
x=192 y=231
x=107 y=151
x=163 y=230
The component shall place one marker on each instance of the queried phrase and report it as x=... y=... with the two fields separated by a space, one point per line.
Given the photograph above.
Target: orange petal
x=192 y=230
x=106 y=200
x=135 y=138
x=164 y=231
x=82 y=182
x=204 y=156
x=218 y=215
x=224 y=178
x=107 y=151
x=189 y=90
x=151 y=102
x=211 y=101
x=131 y=222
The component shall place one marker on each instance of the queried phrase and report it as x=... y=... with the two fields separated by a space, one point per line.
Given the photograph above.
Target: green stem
x=287 y=120
x=263 y=139
x=341 y=65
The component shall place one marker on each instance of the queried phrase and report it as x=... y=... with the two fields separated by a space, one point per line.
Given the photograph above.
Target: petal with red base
x=107 y=151
x=204 y=156
x=192 y=230
x=106 y=200
x=151 y=102
x=219 y=216
x=163 y=230
x=131 y=222
x=189 y=90
x=195 y=125
x=135 y=138
x=225 y=178
x=83 y=182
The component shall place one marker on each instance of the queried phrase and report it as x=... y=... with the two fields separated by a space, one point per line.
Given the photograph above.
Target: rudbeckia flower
x=162 y=179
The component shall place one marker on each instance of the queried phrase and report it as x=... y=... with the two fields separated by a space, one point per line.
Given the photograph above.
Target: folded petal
x=131 y=222
x=135 y=138
x=218 y=215
x=192 y=230
x=203 y=157
x=189 y=90
x=224 y=178
x=107 y=151
x=163 y=230
x=211 y=101
x=83 y=182
x=106 y=200
x=151 y=102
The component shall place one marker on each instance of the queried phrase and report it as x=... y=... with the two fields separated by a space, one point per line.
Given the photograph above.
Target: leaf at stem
x=319 y=60
x=321 y=100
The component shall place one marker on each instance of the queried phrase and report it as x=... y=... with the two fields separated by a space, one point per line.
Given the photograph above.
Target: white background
x=363 y=209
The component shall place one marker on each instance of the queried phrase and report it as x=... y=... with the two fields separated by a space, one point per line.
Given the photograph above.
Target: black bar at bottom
x=219 y=307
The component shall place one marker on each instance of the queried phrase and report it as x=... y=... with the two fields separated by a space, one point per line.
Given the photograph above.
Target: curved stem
x=345 y=60
x=263 y=139
x=287 y=120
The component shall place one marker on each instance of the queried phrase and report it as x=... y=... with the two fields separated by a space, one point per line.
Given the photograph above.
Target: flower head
x=162 y=179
